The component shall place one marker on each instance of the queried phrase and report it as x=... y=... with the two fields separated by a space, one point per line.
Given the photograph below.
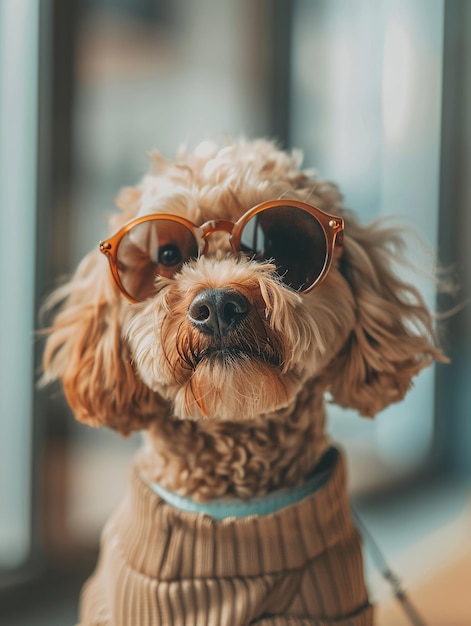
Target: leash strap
x=386 y=572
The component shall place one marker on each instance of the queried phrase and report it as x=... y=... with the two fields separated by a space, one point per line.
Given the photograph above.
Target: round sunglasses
x=297 y=237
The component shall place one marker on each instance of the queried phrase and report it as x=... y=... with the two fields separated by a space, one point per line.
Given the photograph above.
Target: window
x=19 y=28
x=366 y=109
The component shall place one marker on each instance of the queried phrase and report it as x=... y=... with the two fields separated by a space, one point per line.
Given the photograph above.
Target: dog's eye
x=169 y=255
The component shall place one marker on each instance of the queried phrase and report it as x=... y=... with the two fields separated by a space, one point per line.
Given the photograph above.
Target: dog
x=234 y=292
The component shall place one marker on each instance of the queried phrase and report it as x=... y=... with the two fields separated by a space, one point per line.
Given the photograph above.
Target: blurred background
x=377 y=93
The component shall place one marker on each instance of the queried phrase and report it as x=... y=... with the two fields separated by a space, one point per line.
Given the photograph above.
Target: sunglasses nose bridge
x=214 y=226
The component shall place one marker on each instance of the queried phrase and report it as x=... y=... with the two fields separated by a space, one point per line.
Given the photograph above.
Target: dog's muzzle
x=217 y=312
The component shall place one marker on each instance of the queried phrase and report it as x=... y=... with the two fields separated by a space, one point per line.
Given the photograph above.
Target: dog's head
x=226 y=292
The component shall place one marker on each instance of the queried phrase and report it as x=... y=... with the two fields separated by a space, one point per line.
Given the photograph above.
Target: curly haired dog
x=234 y=294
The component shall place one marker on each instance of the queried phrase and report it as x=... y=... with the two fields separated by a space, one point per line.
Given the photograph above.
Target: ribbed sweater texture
x=299 y=566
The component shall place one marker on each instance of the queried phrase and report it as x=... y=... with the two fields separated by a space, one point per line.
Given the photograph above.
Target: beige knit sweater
x=299 y=566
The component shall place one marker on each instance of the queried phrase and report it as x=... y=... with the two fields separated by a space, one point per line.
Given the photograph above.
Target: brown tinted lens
x=153 y=248
x=293 y=238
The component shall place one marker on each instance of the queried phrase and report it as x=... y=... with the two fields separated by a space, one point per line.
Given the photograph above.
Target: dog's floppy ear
x=393 y=337
x=86 y=352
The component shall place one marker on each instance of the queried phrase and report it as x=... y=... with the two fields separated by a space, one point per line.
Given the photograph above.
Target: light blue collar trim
x=222 y=508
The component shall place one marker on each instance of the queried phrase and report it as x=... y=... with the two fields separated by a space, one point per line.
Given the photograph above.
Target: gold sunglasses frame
x=332 y=226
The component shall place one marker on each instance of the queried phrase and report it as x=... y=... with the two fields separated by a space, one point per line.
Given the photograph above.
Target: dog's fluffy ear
x=86 y=352
x=393 y=337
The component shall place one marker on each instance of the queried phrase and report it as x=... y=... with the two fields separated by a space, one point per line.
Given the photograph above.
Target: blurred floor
x=51 y=602
x=444 y=599
x=439 y=584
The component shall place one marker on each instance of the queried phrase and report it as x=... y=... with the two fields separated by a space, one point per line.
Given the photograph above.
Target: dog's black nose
x=218 y=311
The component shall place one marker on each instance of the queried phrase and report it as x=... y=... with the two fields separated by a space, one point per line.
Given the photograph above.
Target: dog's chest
x=161 y=566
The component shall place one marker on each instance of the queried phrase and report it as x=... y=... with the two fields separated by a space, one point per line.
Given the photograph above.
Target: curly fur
x=253 y=421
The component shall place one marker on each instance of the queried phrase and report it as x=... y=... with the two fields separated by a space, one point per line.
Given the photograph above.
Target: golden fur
x=237 y=426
